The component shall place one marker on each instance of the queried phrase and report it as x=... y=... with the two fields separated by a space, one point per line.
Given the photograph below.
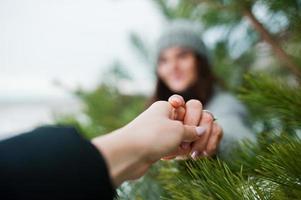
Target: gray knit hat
x=182 y=33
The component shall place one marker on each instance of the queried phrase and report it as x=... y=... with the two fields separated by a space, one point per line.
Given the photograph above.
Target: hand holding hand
x=154 y=134
x=192 y=113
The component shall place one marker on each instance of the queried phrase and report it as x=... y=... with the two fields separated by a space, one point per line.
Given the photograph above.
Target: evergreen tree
x=269 y=168
x=253 y=35
x=105 y=108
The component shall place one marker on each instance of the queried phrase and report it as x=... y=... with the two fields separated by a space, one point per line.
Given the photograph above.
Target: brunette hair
x=201 y=90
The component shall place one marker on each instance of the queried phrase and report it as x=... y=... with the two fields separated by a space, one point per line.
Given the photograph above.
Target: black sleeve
x=52 y=163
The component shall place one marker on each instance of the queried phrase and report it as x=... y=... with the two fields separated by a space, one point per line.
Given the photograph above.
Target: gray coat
x=230 y=114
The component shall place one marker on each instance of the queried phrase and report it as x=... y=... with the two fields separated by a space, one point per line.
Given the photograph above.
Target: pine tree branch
x=267 y=37
x=272 y=98
x=282 y=163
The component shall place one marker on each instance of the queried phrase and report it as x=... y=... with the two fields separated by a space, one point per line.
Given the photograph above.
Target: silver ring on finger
x=210 y=113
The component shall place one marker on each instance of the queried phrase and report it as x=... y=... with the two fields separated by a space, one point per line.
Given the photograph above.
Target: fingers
x=190 y=116
x=192 y=133
x=179 y=113
x=178 y=103
x=214 y=140
x=193 y=112
x=199 y=146
x=202 y=140
x=163 y=108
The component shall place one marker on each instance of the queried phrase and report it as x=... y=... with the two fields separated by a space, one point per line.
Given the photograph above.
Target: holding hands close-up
x=165 y=130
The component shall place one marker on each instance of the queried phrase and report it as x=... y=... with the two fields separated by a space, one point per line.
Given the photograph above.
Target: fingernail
x=200 y=130
x=175 y=100
x=205 y=153
x=194 y=155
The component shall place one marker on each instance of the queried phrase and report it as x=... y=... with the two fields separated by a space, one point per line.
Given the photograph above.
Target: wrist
x=121 y=154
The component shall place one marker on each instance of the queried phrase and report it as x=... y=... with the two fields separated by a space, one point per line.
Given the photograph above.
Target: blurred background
x=91 y=64
x=49 y=49
x=57 y=57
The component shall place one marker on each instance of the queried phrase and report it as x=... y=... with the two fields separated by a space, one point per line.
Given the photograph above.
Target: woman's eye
x=162 y=61
x=183 y=55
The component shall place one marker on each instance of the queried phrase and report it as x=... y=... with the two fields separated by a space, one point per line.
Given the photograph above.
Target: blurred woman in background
x=183 y=67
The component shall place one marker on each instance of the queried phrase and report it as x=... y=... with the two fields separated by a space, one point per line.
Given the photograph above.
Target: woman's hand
x=191 y=113
x=154 y=134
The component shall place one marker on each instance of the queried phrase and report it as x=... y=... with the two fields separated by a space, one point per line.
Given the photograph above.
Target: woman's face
x=177 y=68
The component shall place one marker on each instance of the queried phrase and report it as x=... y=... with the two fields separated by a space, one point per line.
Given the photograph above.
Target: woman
x=183 y=67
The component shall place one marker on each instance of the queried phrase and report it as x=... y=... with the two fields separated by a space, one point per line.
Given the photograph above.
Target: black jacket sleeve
x=52 y=163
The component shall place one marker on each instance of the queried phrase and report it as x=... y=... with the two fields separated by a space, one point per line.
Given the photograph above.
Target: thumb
x=192 y=133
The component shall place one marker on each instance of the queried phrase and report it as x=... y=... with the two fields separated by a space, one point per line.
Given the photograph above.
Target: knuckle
x=207 y=118
x=160 y=104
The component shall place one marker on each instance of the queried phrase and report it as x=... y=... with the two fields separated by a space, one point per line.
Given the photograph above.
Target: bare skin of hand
x=154 y=134
x=192 y=113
